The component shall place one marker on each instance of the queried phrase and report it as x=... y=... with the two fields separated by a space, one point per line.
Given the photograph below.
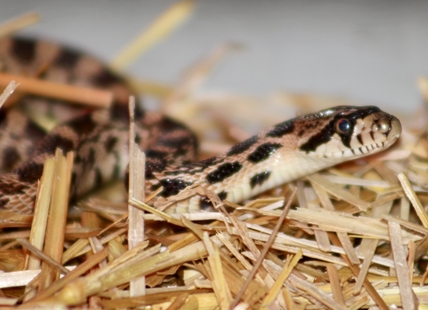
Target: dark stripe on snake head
x=281 y=129
x=67 y=59
x=10 y=157
x=324 y=135
x=223 y=171
x=259 y=178
x=360 y=139
x=263 y=152
x=24 y=50
x=313 y=124
x=242 y=147
x=172 y=186
x=353 y=117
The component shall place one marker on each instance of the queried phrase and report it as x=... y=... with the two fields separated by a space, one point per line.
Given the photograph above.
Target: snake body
x=282 y=153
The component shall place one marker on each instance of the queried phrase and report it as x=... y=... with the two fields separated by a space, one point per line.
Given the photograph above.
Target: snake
x=99 y=137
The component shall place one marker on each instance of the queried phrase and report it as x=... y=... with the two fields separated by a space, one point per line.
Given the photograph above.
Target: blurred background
x=370 y=52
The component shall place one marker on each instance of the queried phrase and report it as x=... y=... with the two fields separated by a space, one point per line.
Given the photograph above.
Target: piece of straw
x=411 y=195
x=18 y=23
x=55 y=230
x=73 y=94
x=408 y=299
x=7 y=92
x=41 y=210
x=265 y=249
x=136 y=191
x=162 y=26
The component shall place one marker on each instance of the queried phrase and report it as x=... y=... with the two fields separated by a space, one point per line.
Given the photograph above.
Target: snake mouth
x=358 y=152
x=391 y=136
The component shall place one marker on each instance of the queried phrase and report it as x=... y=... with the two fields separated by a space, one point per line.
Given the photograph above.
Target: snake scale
x=282 y=153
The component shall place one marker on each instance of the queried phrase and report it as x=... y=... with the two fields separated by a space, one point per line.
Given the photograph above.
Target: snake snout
x=385 y=128
x=395 y=128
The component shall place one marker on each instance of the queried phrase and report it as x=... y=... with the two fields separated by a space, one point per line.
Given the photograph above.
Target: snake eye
x=343 y=126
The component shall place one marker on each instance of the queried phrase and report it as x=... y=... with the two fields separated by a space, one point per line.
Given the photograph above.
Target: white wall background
x=369 y=51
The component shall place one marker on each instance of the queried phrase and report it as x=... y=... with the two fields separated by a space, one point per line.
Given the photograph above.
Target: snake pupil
x=344 y=126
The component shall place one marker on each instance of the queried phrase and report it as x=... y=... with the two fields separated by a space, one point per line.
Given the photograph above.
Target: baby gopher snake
x=282 y=153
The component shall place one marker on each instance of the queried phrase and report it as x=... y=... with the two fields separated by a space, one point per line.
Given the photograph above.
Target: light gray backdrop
x=369 y=51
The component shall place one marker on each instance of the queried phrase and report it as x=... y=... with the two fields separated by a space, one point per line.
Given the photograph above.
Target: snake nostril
x=384 y=126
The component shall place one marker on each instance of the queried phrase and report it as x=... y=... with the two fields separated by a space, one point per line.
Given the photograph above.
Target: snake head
x=347 y=132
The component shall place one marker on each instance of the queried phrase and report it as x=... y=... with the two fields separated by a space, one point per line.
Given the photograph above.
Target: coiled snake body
x=282 y=153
